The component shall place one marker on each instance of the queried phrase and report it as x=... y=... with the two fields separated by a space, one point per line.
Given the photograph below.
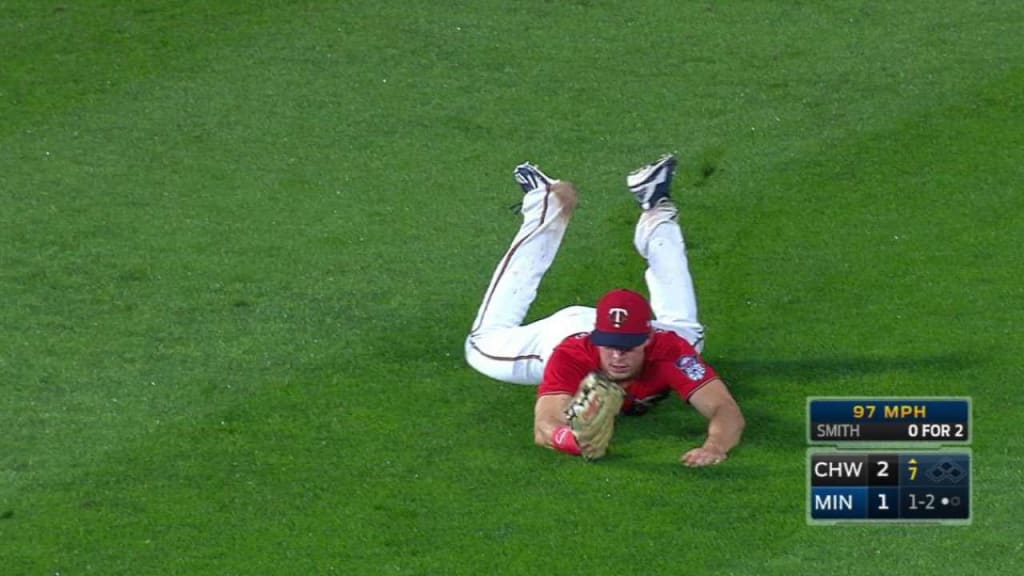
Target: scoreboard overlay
x=888 y=486
x=918 y=421
x=889 y=459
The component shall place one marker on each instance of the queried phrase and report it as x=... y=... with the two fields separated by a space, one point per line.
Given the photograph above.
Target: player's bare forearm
x=549 y=415
x=725 y=428
x=725 y=424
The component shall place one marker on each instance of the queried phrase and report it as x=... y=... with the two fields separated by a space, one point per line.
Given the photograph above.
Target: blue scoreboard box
x=939 y=421
x=889 y=486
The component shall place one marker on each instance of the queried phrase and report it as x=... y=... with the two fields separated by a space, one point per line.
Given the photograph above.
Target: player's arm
x=725 y=424
x=550 y=424
x=562 y=376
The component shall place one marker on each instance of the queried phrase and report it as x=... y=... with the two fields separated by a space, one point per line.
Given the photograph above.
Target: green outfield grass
x=240 y=247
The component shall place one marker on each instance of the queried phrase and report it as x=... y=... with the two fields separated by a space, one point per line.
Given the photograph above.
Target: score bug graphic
x=903 y=486
x=899 y=420
x=889 y=460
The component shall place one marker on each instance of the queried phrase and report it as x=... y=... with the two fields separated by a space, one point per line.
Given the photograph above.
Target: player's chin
x=620 y=375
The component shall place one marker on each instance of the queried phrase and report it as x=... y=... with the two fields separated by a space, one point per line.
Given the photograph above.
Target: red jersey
x=670 y=363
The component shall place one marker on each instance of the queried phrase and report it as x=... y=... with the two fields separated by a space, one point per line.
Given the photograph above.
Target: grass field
x=241 y=245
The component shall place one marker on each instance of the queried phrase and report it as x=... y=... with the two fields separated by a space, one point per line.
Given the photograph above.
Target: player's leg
x=498 y=345
x=659 y=239
x=518 y=355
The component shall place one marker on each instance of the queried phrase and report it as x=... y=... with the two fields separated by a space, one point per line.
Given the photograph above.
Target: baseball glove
x=592 y=414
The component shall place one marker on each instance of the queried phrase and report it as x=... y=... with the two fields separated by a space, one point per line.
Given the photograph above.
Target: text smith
x=838 y=431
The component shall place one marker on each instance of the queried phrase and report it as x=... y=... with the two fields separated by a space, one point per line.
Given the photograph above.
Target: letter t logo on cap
x=618 y=316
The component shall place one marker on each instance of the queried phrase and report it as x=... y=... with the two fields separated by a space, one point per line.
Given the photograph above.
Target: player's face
x=621 y=364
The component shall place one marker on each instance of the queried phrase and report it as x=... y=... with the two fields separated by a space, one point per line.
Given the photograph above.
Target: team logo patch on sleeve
x=692 y=367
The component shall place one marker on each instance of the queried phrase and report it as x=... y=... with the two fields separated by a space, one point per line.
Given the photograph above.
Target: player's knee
x=475 y=359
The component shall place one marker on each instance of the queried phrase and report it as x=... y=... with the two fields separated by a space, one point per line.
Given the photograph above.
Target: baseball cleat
x=652 y=183
x=530 y=177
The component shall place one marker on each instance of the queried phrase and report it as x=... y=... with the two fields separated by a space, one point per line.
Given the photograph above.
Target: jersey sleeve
x=565 y=369
x=687 y=374
x=683 y=368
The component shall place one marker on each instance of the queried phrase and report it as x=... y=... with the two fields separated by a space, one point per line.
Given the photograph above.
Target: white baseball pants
x=501 y=347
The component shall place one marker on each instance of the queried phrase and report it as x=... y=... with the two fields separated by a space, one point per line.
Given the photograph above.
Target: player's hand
x=702 y=457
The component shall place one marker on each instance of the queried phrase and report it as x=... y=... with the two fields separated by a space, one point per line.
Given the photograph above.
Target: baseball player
x=622 y=356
